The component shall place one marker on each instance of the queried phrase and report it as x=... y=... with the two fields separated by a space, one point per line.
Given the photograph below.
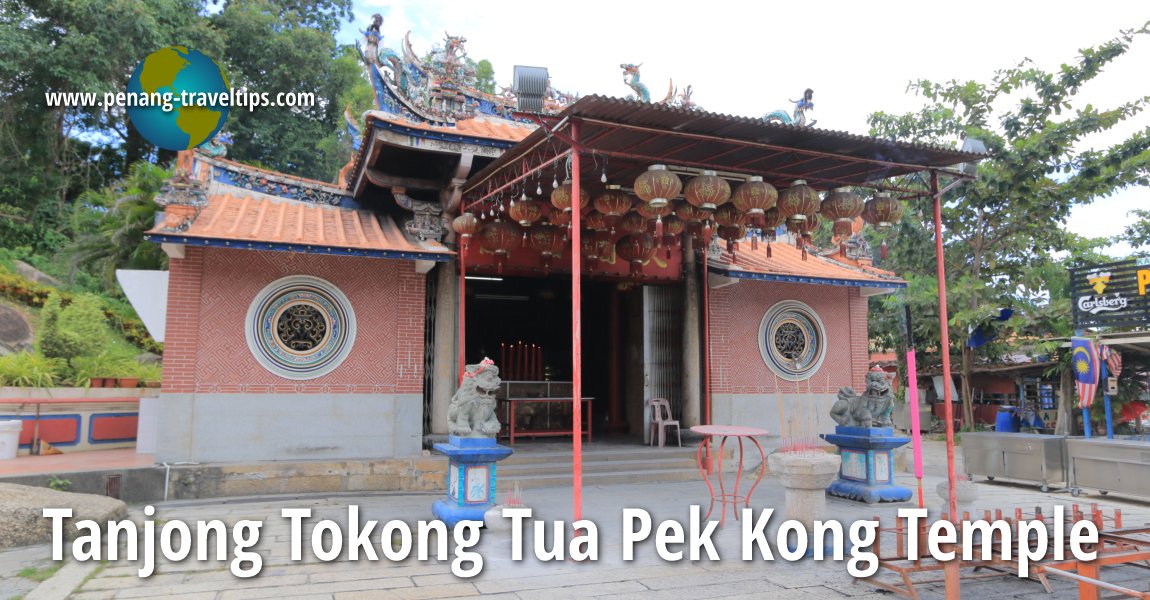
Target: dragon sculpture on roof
x=631 y=77
x=802 y=105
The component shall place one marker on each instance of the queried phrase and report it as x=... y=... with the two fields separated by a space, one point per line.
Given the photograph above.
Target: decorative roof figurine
x=799 y=118
x=439 y=87
x=631 y=78
x=218 y=146
x=372 y=37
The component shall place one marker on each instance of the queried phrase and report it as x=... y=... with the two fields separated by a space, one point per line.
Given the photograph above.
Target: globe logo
x=178 y=98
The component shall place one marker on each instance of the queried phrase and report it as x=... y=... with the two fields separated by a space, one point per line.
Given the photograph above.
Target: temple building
x=310 y=320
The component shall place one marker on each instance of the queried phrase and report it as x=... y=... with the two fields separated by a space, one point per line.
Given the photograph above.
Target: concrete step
x=563 y=479
x=613 y=466
x=524 y=456
x=549 y=465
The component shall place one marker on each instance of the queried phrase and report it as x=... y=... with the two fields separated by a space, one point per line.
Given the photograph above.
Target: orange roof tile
x=485 y=127
x=263 y=223
x=786 y=263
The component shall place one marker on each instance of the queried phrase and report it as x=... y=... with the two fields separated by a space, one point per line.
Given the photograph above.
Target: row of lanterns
x=709 y=198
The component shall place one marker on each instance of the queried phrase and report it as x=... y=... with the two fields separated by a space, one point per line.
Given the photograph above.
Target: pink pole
x=915 y=430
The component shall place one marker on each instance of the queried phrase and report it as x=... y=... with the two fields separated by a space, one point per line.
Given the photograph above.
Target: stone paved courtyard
x=647 y=576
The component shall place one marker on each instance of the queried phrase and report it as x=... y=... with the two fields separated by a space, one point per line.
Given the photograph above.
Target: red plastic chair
x=661 y=420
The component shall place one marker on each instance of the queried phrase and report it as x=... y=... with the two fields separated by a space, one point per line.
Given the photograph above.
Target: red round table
x=733 y=498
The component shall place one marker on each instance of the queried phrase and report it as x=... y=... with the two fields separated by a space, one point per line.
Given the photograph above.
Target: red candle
x=522 y=361
x=539 y=363
x=502 y=355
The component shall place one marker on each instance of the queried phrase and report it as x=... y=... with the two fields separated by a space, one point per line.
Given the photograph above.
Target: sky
x=748 y=59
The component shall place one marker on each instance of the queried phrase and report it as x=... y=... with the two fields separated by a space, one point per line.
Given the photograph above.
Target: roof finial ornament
x=372 y=37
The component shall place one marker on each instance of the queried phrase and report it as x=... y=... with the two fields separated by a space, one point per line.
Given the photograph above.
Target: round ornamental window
x=791 y=340
x=300 y=327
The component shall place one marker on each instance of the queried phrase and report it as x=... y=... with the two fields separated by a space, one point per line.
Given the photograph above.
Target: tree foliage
x=67 y=174
x=1004 y=235
x=279 y=46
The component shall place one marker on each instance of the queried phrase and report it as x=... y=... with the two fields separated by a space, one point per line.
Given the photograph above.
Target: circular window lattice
x=300 y=327
x=791 y=340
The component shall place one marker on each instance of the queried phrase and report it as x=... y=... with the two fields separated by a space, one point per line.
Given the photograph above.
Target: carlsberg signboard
x=1113 y=294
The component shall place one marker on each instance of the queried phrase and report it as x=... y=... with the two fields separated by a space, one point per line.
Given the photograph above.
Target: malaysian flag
x=1113 y=360
x=1084 y=360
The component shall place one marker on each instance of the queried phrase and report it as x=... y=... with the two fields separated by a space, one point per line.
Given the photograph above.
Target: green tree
x=276 y=46
x=1003 y=233
x=109 y=225
x=1137 y=232
x=485 y=76
x=50 y=154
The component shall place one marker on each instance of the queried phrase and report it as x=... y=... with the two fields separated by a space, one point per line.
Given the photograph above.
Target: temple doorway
x=632 y=350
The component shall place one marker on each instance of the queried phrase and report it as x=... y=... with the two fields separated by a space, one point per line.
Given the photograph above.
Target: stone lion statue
x=871 y=409
x=472 y=410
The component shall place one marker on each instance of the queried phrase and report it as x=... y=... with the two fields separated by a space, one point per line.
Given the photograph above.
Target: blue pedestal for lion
x=867 y=470
x=470 y=478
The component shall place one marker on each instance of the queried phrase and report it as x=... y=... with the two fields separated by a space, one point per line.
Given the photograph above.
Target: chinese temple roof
x=787 y=263
x=227 y=204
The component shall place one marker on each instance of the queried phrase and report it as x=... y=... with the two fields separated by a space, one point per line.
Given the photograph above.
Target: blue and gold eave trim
x=442 y=136
x=739 y=274
x=158 y=238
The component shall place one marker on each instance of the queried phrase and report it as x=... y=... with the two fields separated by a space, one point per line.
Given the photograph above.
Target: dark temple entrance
x=630 y=341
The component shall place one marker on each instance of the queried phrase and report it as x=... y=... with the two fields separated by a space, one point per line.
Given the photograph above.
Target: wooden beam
x=384 y=180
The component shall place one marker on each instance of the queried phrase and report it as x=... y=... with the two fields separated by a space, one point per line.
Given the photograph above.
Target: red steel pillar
x=950 y=572
x=463 y=315
x=576 y=327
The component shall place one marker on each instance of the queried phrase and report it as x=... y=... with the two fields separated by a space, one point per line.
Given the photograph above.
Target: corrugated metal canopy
x=631 y=135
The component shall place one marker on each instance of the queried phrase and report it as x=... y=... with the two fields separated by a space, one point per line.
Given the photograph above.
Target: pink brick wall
x=738 y=366
x=208 y=298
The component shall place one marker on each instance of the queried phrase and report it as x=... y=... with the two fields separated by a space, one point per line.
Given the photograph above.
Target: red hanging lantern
x=548 y=241
x=499 y=238
x=635 y=248
x=732 y=234
x=651 y=212
x=560 y=219
x=595 y=221
x=727 y=215
x=657 y=186
x=772 y=220
x=633 y=223
x=690 y=213
x=526 y=212
x=844 y=206
x=672 y=228
x=561 y=196
x=613 y=203
x=656 y=214
x=465 y=226
x=707 y=191
x=754 y=197
x=591 y=250
x=882 y=211
x=798 y=201
x=804 y=226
